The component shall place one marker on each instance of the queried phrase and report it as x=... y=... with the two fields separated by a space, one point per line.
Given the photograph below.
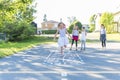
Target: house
x=49 y=25
x=116 y=21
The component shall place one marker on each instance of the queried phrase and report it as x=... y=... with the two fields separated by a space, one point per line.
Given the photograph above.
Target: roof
x=51 y=21
x=117 y=13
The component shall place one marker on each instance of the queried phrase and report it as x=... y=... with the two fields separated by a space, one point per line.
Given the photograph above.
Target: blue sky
x=81 y=9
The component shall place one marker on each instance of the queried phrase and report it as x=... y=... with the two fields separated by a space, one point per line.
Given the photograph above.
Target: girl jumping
x=62 y=40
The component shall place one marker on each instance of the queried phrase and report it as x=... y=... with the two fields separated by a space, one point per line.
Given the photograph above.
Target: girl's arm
x=85 y=33
x=72 y=32
x=56 y=34
x=78 y=34
x=105 y=33
x=68 y=34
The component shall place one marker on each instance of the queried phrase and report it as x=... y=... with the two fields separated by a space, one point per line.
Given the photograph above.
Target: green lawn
x=10 y=48
x=95 y=37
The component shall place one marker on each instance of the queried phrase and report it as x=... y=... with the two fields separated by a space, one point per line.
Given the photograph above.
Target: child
x=63 y=40
x=103 y=36
x=83 y=38
x=75 y=36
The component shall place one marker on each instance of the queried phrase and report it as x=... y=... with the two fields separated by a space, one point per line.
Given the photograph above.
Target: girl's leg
x=76 y=44
x=84 y=45
x=102 y=43
x=81 y=45
x=65 y=46
x=61 y=50
x=105 y=43
x=72 y=43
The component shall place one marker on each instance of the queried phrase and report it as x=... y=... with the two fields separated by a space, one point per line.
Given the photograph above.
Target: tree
x=16 y=17
x=92 y=23
x=107 y=20
x=45 y=18
x=71 y=19
x=76 y=22
x=35 y=26
x=60 y=19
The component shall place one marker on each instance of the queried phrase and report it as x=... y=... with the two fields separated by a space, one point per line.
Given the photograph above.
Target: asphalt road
x=44 y=62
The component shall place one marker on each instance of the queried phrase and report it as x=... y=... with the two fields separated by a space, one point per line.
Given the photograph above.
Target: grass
x=10 y=48
x=114 y=37
x=95 y=37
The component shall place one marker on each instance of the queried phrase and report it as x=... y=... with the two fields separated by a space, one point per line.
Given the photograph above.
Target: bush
x=49 y=31
x=18 y=31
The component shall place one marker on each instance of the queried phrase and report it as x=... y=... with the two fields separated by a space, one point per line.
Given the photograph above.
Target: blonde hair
x=61 y=23
x=75 y=27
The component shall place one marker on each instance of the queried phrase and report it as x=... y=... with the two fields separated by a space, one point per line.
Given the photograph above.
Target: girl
x=75 y=36
x=63 y=40
x=103 y=35
x=83 y=38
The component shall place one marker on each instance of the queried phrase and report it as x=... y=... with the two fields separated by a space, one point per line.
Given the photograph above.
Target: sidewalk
x=45 y=63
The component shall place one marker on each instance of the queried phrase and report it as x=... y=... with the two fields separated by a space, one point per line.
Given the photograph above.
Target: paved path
x=45 y=63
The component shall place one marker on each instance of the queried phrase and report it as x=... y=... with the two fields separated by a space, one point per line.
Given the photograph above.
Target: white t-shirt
x=102 y=31
x=83 y=35
x=62 y=32
x=75 y=32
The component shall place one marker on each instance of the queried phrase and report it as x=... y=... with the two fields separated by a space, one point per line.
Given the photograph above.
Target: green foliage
x=72 y=19
x=92 y=27
x=70 y=28
x=15 y=18
x=10 y=48
x=2 y=36
x=92 y=19
x=78 y=23
x=49 y=31
x=92 y=23
x=107 y=20
x=19 y=31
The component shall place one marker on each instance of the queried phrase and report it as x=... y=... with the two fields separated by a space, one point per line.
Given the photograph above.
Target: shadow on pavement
x=30 y=64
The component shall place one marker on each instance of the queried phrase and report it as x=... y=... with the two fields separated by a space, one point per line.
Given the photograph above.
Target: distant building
x=117 y=21
x=49 y=25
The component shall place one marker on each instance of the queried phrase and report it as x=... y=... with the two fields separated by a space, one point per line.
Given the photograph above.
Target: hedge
x=49 y=31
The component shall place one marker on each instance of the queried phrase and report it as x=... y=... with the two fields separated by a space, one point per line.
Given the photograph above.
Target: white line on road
x=57 y=72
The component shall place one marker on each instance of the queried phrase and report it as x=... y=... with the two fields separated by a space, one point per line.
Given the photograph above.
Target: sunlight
x=106 y=68
x=97 y=76
x=4 y=63
x=117 y=62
